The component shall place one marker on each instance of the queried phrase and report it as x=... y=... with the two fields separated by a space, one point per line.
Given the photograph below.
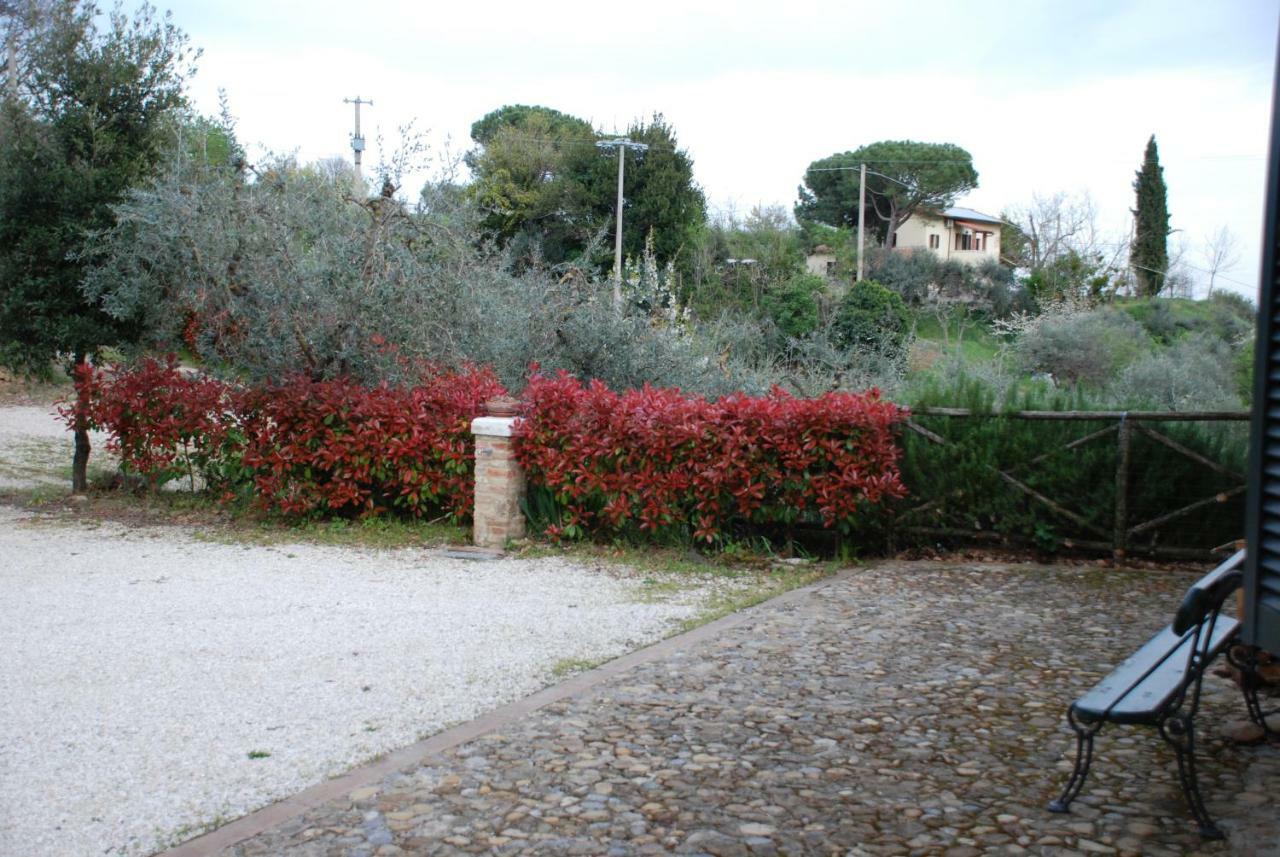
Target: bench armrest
x=1207 y=595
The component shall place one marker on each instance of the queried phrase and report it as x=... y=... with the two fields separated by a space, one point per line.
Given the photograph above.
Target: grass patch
x=731 y=562
x=971 y=338
x=760 y=588
x=27 y=392
x=38 y=459
x=376 y=533
x=259 y=754
x=735 y=579
x=566 y=667
x=228 y=524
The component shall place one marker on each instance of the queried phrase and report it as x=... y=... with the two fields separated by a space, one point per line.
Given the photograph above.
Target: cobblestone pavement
x=905 y=708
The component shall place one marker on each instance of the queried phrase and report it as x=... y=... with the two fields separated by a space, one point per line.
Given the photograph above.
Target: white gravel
x=139 y=669
x=36 y=447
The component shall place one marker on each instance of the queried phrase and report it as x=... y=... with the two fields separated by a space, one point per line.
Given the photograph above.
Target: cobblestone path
x=904 y=708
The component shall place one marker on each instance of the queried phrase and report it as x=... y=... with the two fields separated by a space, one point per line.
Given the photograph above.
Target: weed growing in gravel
x=763 y=587
x=259 y=754
x=219 y=524
x=376 y=533
x=566 y=667
x=735 y=579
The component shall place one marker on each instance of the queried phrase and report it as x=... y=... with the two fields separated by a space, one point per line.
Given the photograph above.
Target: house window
x=934 y=242
x=831 y=269
x=964 y=241
x=893 y=242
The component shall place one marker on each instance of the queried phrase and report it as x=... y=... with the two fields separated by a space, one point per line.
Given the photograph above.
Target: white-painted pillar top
x=493 y=426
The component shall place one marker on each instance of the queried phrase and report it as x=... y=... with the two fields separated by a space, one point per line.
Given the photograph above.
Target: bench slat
x=1140 y=703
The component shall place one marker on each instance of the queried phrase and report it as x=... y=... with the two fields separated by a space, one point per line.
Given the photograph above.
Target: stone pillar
x=499 y=484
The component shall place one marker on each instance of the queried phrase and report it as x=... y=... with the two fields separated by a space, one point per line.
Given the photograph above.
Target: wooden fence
x=1125 y=535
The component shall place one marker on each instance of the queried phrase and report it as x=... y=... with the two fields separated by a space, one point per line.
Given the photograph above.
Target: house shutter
x=1262 y=526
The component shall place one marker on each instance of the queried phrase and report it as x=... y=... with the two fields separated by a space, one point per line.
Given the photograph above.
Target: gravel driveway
x=35 y=448
x=153 y=684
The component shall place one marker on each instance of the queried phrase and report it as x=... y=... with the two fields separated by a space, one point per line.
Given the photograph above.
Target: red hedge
x=306 y=446
x=655 y=459
x=160 y=422
x=664 y=459
x=335 y=445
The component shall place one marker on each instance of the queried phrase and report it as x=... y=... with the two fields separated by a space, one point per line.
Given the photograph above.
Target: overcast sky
x=1046 y=96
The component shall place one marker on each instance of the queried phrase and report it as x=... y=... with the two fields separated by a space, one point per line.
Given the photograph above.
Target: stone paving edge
x=281 y=811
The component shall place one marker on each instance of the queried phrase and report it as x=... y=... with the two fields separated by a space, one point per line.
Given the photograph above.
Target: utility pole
x=862 y=209
x=13 y=65
x=11 y=11
x=622 y=144
x=357 y=141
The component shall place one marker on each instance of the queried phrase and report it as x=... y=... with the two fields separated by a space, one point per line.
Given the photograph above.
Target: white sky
x=1047 y=96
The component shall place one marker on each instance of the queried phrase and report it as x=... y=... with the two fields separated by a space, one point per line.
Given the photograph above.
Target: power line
x=1120 y=245
x=573 y=141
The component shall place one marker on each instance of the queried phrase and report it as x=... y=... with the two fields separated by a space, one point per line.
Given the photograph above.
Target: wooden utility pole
x=862 y=208
x=622 y=144
x=357 y=142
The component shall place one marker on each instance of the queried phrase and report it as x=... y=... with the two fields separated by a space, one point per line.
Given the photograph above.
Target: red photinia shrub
x=335 y=446
x=305 y=446
x=663 y=459
x=161 y=422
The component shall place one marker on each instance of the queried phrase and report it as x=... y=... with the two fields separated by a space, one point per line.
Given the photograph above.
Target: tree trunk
x=80 y=461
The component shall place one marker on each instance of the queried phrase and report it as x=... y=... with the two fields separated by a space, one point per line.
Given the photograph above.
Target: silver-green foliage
x=287 y=268
x=1197 y=373
x=1082 y=347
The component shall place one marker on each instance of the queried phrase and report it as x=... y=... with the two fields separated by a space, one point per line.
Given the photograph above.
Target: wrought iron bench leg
x=1084 y=757
x=1245 y=659
x=1180 y=732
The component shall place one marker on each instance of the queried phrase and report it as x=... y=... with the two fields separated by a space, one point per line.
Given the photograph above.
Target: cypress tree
x=1149 y=255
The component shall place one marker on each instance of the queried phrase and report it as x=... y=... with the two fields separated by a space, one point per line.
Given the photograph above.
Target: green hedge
x=959 y=488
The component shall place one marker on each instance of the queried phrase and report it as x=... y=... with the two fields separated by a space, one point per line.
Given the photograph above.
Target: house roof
x=957 y=213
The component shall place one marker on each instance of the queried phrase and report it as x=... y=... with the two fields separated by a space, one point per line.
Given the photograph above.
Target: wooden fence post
x=1120 y=537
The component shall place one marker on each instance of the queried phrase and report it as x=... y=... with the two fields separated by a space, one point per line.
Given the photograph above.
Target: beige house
x=822 y=261
x=961 y=234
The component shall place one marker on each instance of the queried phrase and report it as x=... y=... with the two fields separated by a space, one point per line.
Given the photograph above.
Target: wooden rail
x=1122 y=535
x=1135 y=416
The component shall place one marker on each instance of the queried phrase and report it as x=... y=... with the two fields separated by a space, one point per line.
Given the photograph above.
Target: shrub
x=872 y=318
x=957 y=486
x=1198 y=373
x=661 y=462
x=307 y=447
x=921 y=278
x=1226 y=316
x=163 y=424
x=910 y=275
x=1236 y=304
x=319 y=447
x=1082 y=347
x=793 y=306
x=289 y=273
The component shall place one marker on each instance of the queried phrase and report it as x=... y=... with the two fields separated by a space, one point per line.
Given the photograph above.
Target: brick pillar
x=499 y=484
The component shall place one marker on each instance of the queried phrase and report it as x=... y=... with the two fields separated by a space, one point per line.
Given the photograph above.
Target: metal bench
x=1159 y=685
